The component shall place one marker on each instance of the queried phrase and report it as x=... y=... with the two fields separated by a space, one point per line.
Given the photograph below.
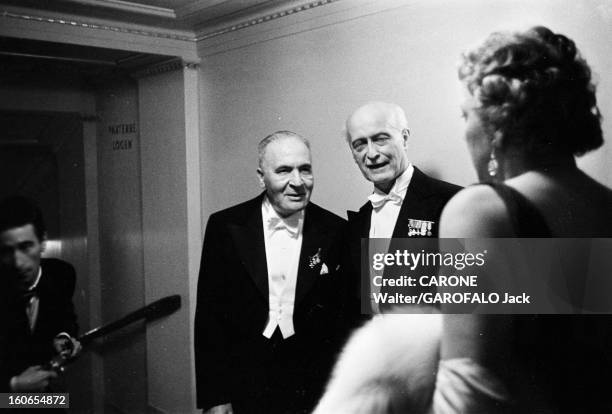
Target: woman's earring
x=493 y=165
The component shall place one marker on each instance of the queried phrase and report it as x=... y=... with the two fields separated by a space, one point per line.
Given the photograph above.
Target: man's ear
x=405 y=135
x=260 y=176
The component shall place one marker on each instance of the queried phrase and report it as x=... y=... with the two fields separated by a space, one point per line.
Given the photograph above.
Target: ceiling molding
x=203 y=35
x=95 y=26
x=169 y=65
x=128 y=6
x=154 y=32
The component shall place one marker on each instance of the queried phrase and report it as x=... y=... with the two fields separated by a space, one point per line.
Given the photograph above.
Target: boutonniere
x=315 y=259
x=419 y=227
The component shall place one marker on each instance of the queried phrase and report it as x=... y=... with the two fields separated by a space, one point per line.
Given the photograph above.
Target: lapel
x=364 y=219
x=414 y=204
x=313 y=241
x=49 y=294
x=16 y=322
x=250 y=245
x=359 y=228
x=44 y=291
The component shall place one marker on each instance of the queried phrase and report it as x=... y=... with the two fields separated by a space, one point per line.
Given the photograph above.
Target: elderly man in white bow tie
x=270 y=308
x=405 y=202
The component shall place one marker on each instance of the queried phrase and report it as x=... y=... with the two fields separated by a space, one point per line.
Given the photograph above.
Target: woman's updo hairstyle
x=536 y=89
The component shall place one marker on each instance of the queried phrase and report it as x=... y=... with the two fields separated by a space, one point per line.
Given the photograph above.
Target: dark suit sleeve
x=341 y=285
x=66 y=316
x=211 y=342
x=351 y=315
x=351 y=265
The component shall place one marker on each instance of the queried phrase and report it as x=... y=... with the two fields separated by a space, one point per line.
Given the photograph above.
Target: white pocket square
x=324 y=269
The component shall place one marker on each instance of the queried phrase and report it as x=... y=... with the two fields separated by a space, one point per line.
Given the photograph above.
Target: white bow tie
x=378 y=200
x=290 y=224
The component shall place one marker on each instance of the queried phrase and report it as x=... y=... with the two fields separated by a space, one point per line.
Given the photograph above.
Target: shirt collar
x=272 y=221
x=399 y=189
x=38 y=276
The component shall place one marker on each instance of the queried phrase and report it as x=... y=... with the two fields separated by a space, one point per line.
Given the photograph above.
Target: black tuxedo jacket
x=20 y=348
x=425 y=200
x=235 y=363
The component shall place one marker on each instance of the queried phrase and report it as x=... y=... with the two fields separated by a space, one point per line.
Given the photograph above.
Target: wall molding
x=336 y=12
x=71 y=22
x=164 y=67
x=203 y=35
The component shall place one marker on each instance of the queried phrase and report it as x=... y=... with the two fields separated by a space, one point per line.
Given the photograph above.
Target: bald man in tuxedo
x=405 y=202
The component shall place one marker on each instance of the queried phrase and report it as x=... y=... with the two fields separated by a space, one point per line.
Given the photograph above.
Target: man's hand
x=32 y=379
x=220 y=409
x=66 y=346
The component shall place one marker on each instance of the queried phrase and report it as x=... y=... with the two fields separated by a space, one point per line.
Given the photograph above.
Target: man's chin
x=293 y=207
x=24 y=282
x=380 y=179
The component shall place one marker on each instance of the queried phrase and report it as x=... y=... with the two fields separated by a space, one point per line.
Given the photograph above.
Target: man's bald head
x=377 y=134
x=386 y=112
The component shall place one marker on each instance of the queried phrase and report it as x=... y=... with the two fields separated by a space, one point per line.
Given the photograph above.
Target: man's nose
x=19 y=259
x=296 y=179
x=372 y=151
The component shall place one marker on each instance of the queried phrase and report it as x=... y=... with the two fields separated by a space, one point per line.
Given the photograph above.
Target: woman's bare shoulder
x=574 y=204
x=475 y=211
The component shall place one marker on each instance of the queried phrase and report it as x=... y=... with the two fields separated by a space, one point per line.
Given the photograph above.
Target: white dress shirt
x=283 y=240
x=385 y=210
x=32 y=305
x=386 y=207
